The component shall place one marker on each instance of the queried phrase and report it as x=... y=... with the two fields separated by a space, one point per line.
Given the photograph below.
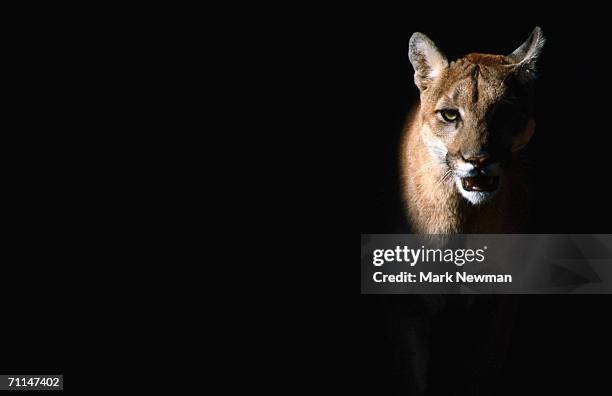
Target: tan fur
x=476 y=84
x=437 y=208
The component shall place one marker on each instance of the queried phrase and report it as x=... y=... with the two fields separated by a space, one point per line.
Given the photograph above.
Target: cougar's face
x=475 y=116
x=476 y=112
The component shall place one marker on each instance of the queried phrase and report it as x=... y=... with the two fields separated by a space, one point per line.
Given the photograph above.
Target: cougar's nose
x=479 y=160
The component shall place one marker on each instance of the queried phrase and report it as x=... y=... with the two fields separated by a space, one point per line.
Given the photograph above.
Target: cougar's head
x=476 y=112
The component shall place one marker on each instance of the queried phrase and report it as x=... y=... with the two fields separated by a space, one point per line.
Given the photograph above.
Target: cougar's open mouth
x=480 y=183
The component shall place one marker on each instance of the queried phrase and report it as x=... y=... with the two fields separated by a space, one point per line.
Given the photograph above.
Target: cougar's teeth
x=480 y=183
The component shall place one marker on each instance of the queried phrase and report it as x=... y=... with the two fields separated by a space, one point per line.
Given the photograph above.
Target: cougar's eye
x=450 y=115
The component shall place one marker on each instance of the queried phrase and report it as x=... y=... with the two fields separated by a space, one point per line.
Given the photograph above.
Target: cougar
x=460 y=143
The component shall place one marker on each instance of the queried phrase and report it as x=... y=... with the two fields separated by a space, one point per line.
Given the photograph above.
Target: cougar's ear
x=527 y=55
x=426 y=59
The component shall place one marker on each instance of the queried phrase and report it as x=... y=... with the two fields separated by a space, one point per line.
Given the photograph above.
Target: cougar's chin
x=477 y=189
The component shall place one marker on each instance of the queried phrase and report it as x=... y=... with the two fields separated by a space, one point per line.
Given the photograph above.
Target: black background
x=558 y=344
x=38 y=195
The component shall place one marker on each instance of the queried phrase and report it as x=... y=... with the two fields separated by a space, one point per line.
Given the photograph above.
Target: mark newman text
x=429 y=277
